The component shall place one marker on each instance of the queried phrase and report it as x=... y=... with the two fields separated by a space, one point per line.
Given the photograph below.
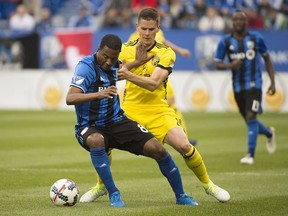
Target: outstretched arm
x=182 y=51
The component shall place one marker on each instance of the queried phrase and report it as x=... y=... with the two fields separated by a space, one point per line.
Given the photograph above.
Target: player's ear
x=158 y=28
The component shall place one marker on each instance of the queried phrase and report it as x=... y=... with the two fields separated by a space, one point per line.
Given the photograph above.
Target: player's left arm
x=150 y=83
x=182 y=51
x=268 y=63
x=141 y=57
x=269 y=67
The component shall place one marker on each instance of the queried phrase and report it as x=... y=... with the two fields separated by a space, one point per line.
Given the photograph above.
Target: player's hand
x=123 y=72
x=141 y=54
x=236 y=64
x=185 y=53
x=109 y=92
x=271 y=90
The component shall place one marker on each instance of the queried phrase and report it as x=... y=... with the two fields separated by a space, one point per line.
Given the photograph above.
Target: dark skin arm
x=272 y=89
x=234 y=65
x=77 y=96
x=140 y=58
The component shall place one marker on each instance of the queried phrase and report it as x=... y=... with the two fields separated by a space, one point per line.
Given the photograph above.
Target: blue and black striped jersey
x=247 y=50
x=89 y=77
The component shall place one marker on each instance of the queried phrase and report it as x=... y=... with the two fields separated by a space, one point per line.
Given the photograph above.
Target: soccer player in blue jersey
x=244 y=49
x=102 y=124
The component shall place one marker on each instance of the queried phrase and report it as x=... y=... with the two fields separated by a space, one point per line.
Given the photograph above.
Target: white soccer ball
x=64 y=192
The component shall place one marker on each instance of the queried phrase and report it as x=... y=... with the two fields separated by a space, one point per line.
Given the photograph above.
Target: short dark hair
x=239 y=11
x=149 y=14
x=111 y=41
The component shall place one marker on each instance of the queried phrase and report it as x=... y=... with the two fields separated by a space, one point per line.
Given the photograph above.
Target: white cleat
x=217 y=192
x=271 y=142
x=248 y=160
x=94 y=193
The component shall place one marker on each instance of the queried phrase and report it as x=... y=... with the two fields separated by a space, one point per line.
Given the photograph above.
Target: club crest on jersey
x=155 y=60
x=78 y=80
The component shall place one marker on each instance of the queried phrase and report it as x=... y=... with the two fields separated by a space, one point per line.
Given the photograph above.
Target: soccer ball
x=64 y=192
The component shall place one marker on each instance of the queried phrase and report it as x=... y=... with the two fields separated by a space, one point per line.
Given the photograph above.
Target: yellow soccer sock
x=99 y=181
x=195 y=162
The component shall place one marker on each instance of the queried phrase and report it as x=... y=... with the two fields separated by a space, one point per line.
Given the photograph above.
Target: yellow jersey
x=170 y=92
x=135 y=96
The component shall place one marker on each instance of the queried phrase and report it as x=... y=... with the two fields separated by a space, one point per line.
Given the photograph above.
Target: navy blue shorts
x=125 y=135
x=249 y=100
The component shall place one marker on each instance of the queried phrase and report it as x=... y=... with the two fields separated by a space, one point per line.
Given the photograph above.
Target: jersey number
x=143 y=129
x=255 y=106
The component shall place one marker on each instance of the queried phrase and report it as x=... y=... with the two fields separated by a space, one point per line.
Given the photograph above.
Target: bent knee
x=95 y=140
x=154 y=149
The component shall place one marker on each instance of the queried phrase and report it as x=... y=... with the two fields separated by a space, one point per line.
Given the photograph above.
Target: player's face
x=239 y=22
x=147 y=31
x=107 y=57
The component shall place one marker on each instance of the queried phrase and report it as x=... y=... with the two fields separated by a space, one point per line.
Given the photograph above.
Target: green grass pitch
x=38 y=147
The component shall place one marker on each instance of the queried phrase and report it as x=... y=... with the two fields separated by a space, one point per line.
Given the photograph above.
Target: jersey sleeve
x=261 y=44
x=170 y=92
x=83 y=76
x=220 y=51
x=167 y=59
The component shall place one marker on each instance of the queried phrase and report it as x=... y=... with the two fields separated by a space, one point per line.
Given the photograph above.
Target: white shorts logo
x=84 y=131
x=255 y=105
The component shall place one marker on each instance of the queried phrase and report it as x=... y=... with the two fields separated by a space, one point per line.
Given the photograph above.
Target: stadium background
x=198 y=86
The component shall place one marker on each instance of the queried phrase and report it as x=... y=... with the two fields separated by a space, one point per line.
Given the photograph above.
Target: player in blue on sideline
x=244 y=49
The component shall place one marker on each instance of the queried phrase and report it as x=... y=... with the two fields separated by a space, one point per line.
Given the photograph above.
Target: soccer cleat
x=116 y=200
x=219 y=193
x=184 y=199
x=94 y=193
x=247 y=160
x=271 y=142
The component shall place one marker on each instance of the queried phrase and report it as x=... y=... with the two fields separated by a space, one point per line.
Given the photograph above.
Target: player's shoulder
x=227 y=36
x=161 y=46
x=87 y=59
x=130 y=43
x=86 y=62
x=255 y=34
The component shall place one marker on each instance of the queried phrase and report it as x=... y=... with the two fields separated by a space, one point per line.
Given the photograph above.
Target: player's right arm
x=149 y=83
x=220 y=55
x=234 y=65
x=81 y=82
x=77 y=96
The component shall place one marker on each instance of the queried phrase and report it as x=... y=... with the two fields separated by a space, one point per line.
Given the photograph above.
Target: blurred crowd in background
x=209 y=15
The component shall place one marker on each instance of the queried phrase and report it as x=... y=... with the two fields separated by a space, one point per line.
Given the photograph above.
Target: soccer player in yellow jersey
x=160 y=38
x=149 y=64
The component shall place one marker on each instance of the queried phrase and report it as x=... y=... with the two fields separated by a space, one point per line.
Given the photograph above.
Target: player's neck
x=239 y=35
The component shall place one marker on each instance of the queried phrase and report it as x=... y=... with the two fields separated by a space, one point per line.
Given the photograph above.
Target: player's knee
x=95 y=140
x=154 y=149
x=183 y=148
